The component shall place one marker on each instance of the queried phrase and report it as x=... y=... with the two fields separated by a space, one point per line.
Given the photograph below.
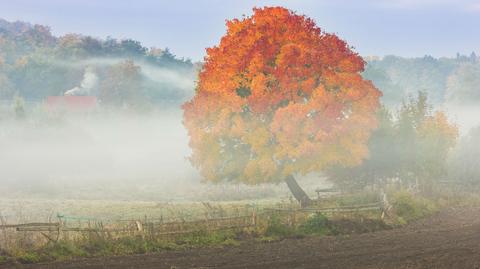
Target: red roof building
x=71 y=103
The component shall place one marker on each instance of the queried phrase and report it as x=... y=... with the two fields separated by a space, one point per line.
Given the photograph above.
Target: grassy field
x=34 y=210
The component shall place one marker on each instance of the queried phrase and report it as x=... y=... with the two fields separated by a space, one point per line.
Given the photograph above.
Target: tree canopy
x=279 y=96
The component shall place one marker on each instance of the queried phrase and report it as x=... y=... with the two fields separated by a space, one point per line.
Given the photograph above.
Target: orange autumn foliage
x=279 y=96
x=437 y=128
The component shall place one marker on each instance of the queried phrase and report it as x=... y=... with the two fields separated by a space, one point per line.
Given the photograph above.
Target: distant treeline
x=446 y=80
x=35 y=64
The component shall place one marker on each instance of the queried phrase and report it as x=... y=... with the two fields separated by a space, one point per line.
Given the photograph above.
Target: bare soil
x=449 y=239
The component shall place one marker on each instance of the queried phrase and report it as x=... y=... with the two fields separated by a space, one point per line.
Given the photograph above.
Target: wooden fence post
x=60 y=227
x=139 y=226
x=386 y=205
x=293 y=218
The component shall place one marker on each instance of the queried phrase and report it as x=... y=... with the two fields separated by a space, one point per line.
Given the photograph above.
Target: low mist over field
x=106 y=155
x=111 y=148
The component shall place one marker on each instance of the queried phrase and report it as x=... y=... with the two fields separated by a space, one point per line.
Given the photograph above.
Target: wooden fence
x=158 y=227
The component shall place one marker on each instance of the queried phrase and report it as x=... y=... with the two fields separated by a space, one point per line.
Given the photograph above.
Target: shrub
x=29 y=257
x=316 y=224
x=408 y=207
x=63 y=250
x=97 y=247
x=130 y=245
x=277 y=229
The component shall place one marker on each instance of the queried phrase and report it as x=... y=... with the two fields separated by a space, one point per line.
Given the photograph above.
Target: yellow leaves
x=221 y=121
x=258 y=139
x=207 y=155
x=259 y=170
x=238 y=128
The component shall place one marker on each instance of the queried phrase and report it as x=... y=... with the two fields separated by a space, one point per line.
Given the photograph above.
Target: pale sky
x=373 y=27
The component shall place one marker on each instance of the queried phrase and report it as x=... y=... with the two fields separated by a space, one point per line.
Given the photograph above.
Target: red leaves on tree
x=279 y=96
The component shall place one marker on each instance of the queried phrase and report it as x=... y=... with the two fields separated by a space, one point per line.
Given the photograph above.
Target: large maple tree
x=279 y=97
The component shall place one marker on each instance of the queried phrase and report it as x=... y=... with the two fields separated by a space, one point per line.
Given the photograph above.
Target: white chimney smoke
x=89 y=82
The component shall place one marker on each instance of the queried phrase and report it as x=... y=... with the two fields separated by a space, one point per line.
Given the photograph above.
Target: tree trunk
x=297 y=191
